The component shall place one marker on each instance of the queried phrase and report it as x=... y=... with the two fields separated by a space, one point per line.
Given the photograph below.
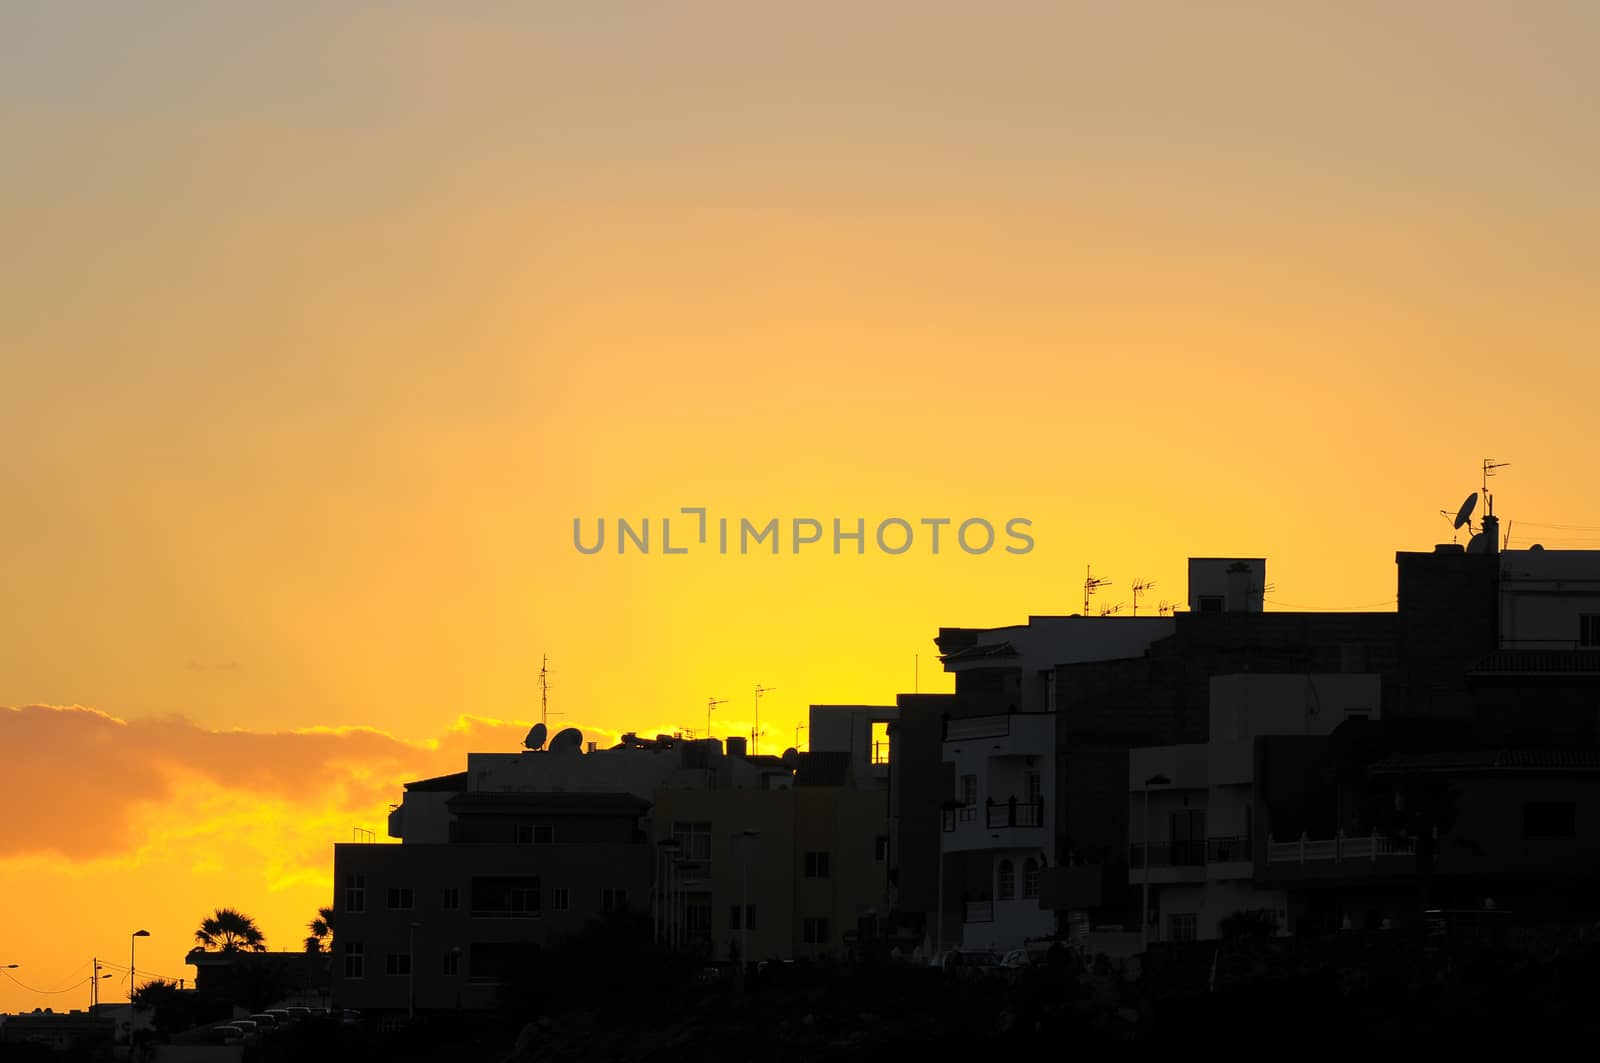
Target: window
x=1035 y=789
x=535 y=834
x=354 y=960
x=452 y=963
x=451 y=898
x=397 y=963
x=693 y=838
x=559 y=900
x=355 y=893
x=1005 y=881
x=880 y=741
x=1188 y=835
x=969 y=789
x=1030 y=878
x=880 y=847
x=1210 y=603
x=749 y=911
x=814 y=931
x=1184 y=927
x=613 y=900
x=817 y=865
x=506 y=897
x=1549 y=819
x=1589 y=629
x=399 y=897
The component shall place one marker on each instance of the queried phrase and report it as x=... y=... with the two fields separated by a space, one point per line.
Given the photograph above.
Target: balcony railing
x=1340 y=847
x=976 y=727
x=1227 y=850
x=1014 y=814
x=980 y=911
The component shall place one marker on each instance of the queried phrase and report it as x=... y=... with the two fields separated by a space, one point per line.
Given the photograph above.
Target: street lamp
x=411 y=970
x=1144 y=912
x=133 y=940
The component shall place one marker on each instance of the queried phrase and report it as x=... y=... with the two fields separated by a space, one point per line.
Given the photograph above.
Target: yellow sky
x=320 y=328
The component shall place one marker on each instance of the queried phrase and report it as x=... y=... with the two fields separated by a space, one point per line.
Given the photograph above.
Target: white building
x=1191 y=806
x=1550 y=599
x=1004 y=819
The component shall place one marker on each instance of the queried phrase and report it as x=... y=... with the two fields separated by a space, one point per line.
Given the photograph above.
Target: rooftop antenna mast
x=755 y=729
x=1091 y=583
x=544 y=689
x=1140 y=586
x=712 y=703
x=1489 y=466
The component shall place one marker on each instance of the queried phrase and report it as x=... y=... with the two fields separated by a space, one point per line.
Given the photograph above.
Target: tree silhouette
x=230 y=930
x=321 y=928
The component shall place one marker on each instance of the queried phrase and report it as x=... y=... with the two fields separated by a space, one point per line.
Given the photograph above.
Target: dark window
x=814 y=931
x=397 y=963
x=969 y=789
x=613 y=900
x=355 y=893
x=817 y=865
x=354 y=960
x=452 y=897
x=1030 y=878
x=1210 y=603
x=880 y=847
x=559 y=899
x=506 y=897
x=1549 y=819
x=535 y=834
x=1589 y=629
x=1183 y=927
x=693 y=838
x=399 y=897
x=1006 y=885
x=452 y=962
x=749 y=911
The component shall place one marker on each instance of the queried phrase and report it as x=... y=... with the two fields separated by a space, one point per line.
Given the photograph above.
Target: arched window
x=1007 y=885
x=1030 y=877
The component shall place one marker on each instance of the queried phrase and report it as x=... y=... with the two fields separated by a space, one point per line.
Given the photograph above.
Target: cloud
x=99 y=787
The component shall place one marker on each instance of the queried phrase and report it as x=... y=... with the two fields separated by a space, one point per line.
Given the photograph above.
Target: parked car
x=1016 y=958
x=298 y=1012
x=975 y=962
x=267 y=1022
x=227 y=1035
x=282 y=1015
x=249 y=1030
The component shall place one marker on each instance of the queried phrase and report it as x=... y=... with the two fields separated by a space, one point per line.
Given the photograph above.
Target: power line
x=1333 y=608
x=43 y=992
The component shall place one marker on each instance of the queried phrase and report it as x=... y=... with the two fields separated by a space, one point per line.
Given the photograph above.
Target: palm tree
x=321 y=931
x=230 y=930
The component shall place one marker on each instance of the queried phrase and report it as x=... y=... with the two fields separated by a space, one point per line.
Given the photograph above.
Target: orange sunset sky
x=319 y=325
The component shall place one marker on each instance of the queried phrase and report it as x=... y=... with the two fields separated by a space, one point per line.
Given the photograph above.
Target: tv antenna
x=1108 y=610
x=544 y=690
x=1140 y=586
x=755 y=730
x=712 y=703
x=1091 y=583
x=797 y=729
x=1489 y=466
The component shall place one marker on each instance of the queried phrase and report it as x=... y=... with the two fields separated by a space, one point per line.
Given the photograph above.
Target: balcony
x=1227 y=850
x=977 y=727
x=1014 y=814
x=1169 y=854
x=1339 y=849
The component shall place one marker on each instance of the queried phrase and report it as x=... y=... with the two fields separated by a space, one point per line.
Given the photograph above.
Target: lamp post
x=411 y=970
x=1144 y=911
x=133 y=940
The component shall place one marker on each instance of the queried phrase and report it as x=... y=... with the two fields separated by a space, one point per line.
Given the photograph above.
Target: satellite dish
x=1476 y=545
x=1536 y=546
x=789 y=757
x=535 y=739
x=1464 y=514
x=567 y=738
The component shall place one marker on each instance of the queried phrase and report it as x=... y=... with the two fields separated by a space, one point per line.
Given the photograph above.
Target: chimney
x=1491 y=534
x=736 y=746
